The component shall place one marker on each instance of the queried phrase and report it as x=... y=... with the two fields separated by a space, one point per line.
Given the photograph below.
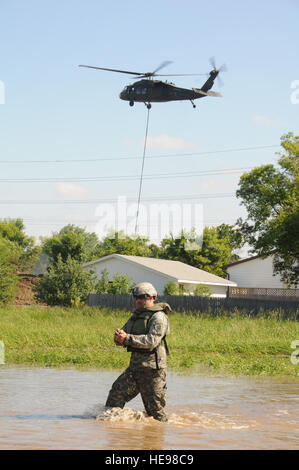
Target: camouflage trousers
x=150 y=383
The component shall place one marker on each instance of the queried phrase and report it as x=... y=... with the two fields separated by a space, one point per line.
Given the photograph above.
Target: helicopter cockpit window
x=141 y=90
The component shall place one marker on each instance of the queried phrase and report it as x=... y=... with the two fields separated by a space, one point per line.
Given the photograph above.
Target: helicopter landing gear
x=131 y=103
x=194 y=105
x=148 y=105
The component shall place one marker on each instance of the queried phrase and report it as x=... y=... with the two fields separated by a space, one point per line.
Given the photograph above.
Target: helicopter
x=147 y=90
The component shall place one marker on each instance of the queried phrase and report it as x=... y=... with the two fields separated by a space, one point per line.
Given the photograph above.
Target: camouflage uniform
x=146 y=373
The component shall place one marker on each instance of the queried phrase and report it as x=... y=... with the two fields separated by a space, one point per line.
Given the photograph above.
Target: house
x=255 y=279
x=254 y=272
x=159 y=272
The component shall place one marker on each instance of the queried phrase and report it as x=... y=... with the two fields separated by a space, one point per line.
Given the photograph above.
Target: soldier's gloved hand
x=119 y=336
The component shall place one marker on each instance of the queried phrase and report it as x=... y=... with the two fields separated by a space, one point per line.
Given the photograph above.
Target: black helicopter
x=147 y=90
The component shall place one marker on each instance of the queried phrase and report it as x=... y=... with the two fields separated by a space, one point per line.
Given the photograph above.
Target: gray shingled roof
x=176 y=269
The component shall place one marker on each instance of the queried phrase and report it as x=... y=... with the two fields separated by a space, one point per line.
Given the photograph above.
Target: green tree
x=271 y=197
x=14 y=231
x=71 y=241
x=65 y=283
x=175 y=248
x=210 y=252
x=155 y=251
x=10 y=254
x=123 y=244
x=215 y=252
x=234 y=237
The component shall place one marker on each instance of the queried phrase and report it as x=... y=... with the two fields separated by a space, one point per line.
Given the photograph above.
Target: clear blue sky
x=55 y=110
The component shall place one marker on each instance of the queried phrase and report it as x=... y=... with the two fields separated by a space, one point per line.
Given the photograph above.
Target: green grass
x=235 y=345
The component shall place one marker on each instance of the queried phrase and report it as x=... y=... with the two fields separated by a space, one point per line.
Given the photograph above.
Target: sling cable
x=142 y=167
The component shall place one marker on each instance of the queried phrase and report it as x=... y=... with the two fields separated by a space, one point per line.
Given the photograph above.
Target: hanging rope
x=141 y=176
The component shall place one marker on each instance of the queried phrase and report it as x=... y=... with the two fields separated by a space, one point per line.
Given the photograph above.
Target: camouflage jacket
x=157 y=328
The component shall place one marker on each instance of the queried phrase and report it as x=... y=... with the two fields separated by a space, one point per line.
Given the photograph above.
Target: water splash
x=124 y=415
x=204 y=420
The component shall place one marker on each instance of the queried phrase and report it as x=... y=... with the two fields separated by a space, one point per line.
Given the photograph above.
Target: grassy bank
x=83 y=337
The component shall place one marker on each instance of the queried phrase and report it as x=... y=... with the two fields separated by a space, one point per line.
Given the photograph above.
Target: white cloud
x=166 y=142
x=266 y=121
x=71 y=190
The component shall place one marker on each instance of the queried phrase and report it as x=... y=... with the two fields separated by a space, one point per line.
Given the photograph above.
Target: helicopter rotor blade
x=223 y=68
x=153 y=74
x=161 y=66
x=172 y=75
x=180 y=75
x=111 y=70
x=212 y=62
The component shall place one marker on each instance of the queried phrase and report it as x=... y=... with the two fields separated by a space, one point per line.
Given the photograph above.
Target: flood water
x=63 y=409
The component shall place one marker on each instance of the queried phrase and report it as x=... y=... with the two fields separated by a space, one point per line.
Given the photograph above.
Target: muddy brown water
x=63 y=409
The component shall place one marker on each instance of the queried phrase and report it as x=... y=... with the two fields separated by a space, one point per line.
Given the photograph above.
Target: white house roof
x=178 y=271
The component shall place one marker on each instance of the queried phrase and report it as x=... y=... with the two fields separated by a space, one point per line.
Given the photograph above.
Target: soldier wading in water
x=144 y=336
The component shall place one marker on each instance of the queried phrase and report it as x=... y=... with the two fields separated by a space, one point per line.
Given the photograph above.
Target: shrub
x=121 y=284
x=65 y=284
x=9 y=257
x=203 y=291
x=171 y=288
x=8 y=284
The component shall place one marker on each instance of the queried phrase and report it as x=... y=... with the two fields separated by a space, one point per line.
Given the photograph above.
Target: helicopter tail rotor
x=223 y=68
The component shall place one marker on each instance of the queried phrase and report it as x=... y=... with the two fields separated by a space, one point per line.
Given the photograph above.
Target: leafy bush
x=9 y=256
x=171 y=288
x=65 y=284
x=174 y=289
x=203 y=291
x=8 y=284
x=121 y=284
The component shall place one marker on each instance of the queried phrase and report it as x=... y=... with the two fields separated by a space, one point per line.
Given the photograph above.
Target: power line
x=95 y=222
x=174 y=155
x=87 y=221
x=126 y=177
x=111 y=200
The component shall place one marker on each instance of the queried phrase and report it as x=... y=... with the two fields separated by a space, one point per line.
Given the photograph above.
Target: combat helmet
x=144 y=288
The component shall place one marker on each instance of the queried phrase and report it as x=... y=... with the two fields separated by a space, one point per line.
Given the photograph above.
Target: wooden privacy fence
x=197 y=304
